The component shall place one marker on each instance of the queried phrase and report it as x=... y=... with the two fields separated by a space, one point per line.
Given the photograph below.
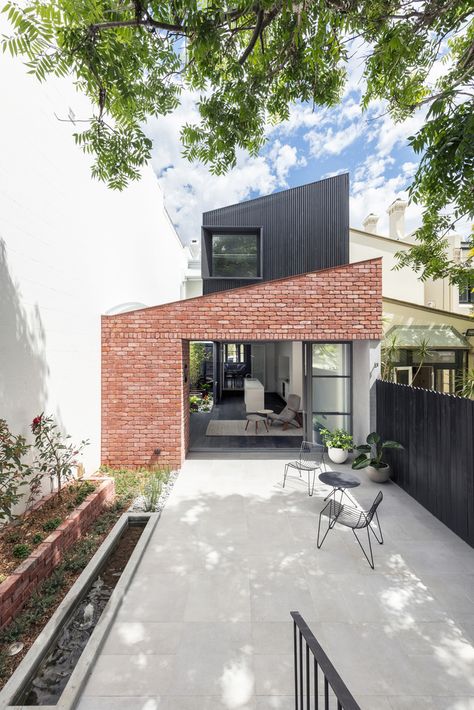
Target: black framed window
x=331 y=387
x=234 y=353
x=235 y=255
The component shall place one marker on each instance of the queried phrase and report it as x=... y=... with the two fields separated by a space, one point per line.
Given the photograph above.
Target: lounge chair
x=311 y=459
x=355 y=519
x=288 y=415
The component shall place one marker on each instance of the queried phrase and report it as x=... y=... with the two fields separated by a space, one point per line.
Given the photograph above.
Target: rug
x=236 y=427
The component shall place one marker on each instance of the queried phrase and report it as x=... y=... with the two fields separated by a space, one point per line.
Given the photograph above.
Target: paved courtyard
x=205 y=623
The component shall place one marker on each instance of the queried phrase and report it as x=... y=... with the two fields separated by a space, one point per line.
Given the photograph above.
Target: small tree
x=55 y=456
x=15 y=474
x=198 y=355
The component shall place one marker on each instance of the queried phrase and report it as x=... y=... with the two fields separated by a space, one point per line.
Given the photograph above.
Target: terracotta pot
x=337 y=455
x=379 y=475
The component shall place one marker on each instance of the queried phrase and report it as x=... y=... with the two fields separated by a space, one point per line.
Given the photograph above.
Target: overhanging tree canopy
x=251 y=61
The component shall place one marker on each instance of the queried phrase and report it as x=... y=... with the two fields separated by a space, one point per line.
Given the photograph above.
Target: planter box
x=20 y=585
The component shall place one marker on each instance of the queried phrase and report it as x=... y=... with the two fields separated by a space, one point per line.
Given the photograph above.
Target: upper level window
x=235 y=255
x=466 y=294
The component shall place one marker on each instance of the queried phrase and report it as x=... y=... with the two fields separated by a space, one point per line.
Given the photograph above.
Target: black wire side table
x=339 y=481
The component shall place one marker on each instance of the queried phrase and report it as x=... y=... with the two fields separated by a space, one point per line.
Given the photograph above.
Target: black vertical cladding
x=436 y=466
x=303 y=229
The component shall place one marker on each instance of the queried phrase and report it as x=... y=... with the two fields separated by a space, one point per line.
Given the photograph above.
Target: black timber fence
x=436 y=466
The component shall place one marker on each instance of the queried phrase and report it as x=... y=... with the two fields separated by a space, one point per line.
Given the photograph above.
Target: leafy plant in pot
x=371 y=457
x=338 y=443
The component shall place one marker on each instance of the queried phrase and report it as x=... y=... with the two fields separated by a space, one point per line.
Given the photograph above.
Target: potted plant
x=338 y=443
x=371 y=457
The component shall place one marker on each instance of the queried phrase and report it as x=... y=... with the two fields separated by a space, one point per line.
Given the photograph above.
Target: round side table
x=339 y=481
x=257 y=419
x=264 y=413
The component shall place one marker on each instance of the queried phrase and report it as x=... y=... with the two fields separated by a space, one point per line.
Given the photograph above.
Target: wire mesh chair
x=311 y=459
x=355 y=519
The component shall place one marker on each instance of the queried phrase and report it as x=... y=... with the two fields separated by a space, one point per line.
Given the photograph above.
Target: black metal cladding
x=436 y=466
x=303 y=229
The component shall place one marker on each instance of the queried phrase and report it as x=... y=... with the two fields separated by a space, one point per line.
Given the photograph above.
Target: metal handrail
x=304 y=688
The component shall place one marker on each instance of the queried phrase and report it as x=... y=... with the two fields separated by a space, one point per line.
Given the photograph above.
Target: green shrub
x=37 y=539
x=51 y=524
x=12 y=537
x=21 y=551
x=84 y=490
x=152 y=491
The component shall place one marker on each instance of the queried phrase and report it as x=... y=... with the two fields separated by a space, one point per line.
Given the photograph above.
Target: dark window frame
x=466 y=294
x=309 y=384
x=207 y=235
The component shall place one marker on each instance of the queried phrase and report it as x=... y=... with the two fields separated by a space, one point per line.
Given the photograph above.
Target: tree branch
x=254 y=38
x=143 y=22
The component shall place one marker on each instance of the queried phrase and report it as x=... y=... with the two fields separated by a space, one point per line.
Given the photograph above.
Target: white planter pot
x=337 y=455
x=378 y=475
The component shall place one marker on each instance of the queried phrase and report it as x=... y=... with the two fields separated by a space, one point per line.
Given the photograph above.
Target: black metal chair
x=311 y=459
x=355 y=519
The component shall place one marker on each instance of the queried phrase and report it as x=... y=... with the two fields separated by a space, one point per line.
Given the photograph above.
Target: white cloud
x=391 y=134
x=284 y=158
x=190 y=188
x=332 y=142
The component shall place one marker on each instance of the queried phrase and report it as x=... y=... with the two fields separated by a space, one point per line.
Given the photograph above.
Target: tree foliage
x=250 y=61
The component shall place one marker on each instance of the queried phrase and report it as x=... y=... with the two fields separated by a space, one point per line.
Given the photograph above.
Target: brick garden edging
x=20 y=585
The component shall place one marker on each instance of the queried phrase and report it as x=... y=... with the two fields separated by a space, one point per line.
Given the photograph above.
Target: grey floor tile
x=275 y=702
x=112 y=703
x=229 y=676
x=133 y=637
x=218 y=596
x=274 y=674
x=155 y=597
x=272 y=637
x=130 y=676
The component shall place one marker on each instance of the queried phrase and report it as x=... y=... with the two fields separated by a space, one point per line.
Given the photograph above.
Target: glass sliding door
x=331 y=387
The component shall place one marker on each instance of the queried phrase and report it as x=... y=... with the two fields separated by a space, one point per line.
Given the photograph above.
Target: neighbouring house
x=287 y=314
x=70 y=250
x=417 y=312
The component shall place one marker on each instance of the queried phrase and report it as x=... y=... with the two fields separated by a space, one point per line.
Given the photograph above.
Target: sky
x=310 y=146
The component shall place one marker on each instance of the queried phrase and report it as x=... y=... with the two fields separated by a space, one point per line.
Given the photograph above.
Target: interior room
x=252 y=384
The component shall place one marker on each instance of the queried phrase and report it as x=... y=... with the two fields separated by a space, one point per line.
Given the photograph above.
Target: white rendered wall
x=365 y=371
x=70 y=250
x=402 y=284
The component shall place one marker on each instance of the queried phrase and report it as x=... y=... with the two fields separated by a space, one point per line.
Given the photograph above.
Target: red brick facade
x=20 y=585
x=145 y=352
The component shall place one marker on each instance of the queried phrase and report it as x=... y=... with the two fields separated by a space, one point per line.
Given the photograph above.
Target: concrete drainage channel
x=54 y=670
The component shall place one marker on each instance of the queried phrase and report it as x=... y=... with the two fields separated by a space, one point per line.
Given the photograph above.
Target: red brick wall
x=20 y=585
x=145 y=352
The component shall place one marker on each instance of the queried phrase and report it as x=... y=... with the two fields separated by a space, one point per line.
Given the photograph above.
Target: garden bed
x=131 y=486
x=29 y=622
x=42 y=537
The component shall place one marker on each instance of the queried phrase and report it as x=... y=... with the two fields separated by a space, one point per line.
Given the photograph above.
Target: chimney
x=396 y=218
x=370 y=223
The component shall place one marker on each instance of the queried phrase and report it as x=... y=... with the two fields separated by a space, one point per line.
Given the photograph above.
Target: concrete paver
x=205 y=624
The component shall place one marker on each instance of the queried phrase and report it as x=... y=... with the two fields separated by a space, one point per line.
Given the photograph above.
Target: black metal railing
x=318 y=685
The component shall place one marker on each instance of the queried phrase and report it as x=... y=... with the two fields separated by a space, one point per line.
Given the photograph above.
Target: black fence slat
x=436 y=466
